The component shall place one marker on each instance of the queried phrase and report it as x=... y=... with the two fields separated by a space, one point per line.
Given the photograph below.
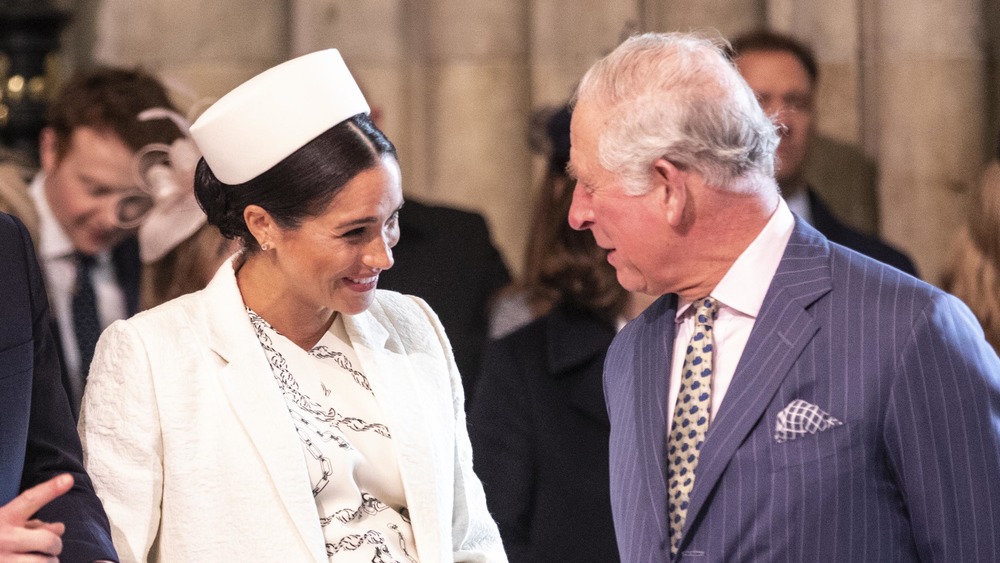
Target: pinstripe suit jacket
x=913 y=474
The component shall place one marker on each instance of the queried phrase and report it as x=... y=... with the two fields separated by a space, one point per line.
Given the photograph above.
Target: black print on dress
x=354 y=542
x=369 y=505
x=290 y=387
x=313 y=421
x=323 y=353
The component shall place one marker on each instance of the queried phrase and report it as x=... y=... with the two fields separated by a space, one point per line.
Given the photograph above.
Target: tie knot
x=707 y=311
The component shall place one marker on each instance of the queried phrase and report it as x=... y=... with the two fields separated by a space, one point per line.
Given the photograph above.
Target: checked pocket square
x=801 y=418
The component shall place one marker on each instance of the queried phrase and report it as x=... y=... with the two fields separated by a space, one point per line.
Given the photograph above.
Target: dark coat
x=38 y=438
x=539 y=431
x=870 y=246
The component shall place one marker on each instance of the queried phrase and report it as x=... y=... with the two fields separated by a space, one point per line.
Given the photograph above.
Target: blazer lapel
x=650 y=387
x=782 y=330
x=253 y=395
x=394 y=383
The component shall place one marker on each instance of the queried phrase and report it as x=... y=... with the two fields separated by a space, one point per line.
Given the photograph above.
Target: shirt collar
x=745 y=284
x=53 y=242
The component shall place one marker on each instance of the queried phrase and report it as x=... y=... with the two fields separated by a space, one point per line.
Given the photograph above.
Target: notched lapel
x=252 y=393
x=390 y=371
x=783 y=328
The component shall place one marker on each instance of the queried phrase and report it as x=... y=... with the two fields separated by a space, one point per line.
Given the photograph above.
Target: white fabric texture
x=195 y=457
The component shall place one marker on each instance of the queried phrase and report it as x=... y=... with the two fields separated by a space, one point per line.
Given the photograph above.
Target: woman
x=288 y=411
x=538 y=424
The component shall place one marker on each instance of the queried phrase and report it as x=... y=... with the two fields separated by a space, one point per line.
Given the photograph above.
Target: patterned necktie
x=687 y=432
x=86 y=323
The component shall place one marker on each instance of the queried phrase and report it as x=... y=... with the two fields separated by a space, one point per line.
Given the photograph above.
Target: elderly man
x=786 y=399
x=41 y=466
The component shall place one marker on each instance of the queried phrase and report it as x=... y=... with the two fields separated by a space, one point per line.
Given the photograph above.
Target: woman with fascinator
x=290 y=411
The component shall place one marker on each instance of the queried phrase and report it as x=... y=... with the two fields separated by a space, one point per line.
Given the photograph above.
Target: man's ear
x=671 y=182
x=48 y=150
x=260 y=224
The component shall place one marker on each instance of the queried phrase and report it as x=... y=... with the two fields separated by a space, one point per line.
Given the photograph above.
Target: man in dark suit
x=75 y=206
x=38 y=440
x=783 y=74
x=446 y=257
x=786 y=399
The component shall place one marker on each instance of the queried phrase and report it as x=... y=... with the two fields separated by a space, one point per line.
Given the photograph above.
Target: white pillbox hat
x=270 y=116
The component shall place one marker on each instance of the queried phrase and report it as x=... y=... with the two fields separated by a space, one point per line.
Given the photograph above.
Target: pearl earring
x=266 y=246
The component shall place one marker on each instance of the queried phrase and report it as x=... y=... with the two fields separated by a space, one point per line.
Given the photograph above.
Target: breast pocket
x=835 y=447
x=17 y=359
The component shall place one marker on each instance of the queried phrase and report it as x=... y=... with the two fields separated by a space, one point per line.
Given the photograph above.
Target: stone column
x=200 y=49
x=924 y=73
x=468 y=95
x=728 y=17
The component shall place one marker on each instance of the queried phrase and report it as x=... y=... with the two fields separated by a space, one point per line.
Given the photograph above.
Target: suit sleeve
x=475 y=537
x=53 y=446
x=501 y=430
x=942 y=431
x=120 y=431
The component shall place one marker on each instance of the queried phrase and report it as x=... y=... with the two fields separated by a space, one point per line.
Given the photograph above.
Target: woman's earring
x=265 y=246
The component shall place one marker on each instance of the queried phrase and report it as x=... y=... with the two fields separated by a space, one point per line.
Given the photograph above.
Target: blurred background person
x=526 y=299
x=180 y=251
x=783 y=73
x=973 y=275
x=341 y=434
x=39 y=446
x=538 y=423
x=91 y=264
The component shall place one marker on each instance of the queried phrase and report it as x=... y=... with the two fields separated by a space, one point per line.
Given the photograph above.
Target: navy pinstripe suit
x=913 y=474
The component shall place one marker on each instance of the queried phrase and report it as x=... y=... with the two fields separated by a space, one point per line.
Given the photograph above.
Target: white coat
x=192 y=450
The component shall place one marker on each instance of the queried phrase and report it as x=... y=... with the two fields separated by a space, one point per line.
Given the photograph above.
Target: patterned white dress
x=350 y=455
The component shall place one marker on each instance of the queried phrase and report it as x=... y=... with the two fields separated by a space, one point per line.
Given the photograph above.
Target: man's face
x=84 y=186
x=631 y=228
x=782 y=85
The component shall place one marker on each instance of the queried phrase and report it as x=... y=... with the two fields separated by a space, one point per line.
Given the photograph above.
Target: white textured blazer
x=192 y=450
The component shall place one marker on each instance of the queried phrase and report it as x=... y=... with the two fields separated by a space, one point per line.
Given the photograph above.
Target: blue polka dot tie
x=687 y=431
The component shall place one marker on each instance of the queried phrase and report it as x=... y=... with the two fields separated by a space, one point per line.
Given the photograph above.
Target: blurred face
x=782 y=85
x=83 y=187
x=628 y=227
x=332 y=262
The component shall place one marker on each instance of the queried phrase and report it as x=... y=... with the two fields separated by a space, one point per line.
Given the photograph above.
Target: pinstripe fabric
x=913 y=474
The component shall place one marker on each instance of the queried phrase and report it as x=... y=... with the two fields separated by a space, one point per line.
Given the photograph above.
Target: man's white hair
x=679 y=97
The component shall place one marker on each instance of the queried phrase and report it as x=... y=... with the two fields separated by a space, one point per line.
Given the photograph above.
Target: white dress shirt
x=56 y=254
x=740 y=294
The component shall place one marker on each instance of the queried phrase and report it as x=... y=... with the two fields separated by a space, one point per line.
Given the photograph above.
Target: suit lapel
x=253 y=395
x=650 y=388
x=782 y=330
x=394 y=383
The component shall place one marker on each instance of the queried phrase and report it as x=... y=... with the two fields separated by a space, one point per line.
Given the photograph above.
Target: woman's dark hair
x=300 y=186
x=572 y=269
x=563 y=265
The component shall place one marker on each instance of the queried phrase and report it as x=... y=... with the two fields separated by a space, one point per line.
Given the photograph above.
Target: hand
x=27 y=540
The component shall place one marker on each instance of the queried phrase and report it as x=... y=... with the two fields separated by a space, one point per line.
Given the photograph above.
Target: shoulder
x=175 y=319
x=407 y=315
x=839 y=233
